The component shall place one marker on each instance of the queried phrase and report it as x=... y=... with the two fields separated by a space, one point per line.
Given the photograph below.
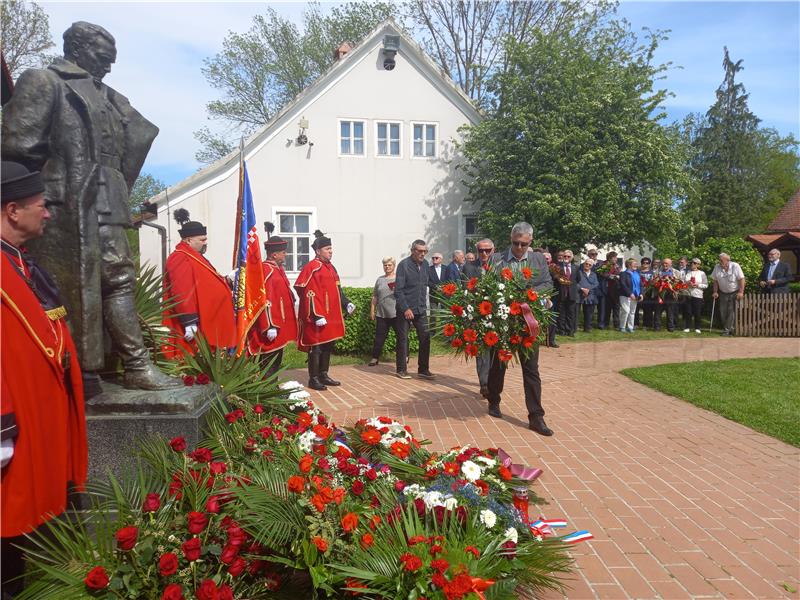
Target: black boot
x=313 y=372
x=324 y=363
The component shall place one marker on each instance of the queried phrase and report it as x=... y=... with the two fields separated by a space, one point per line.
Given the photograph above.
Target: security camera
x=391 y=45
x=388 y=63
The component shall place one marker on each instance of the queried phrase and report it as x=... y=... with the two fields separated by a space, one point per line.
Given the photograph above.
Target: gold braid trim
x=54 y=314
x=12 y=305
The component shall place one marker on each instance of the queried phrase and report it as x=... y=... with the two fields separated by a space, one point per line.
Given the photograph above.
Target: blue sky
x=162 y=45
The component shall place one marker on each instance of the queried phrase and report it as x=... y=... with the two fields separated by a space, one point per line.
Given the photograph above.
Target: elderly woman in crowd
x=382 y=310
x=697 y=281
x=588 y=288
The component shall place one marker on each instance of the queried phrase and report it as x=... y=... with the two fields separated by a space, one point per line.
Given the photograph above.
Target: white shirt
x=700 y=280
x=727 y=279
x=438 y=269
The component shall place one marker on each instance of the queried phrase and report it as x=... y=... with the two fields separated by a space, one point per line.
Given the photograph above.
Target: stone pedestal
x=118 y=418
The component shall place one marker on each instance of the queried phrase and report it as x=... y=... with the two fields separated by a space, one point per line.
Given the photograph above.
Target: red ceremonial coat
x=42 y=389
x=278 y=313
x=320 y=296
x=201 y=296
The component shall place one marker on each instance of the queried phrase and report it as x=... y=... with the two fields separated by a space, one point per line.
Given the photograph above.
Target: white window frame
x=389 y=122
x=311 y=211
x=339 y=136
x=435 y=142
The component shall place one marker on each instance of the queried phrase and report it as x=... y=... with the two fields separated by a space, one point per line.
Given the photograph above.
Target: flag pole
x=239 y=206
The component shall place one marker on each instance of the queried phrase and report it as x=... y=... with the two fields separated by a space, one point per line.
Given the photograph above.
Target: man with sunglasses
x=411 y=301
x=476 y=268
x=517 y=256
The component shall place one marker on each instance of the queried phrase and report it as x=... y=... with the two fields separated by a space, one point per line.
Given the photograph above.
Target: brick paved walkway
x=682 y=503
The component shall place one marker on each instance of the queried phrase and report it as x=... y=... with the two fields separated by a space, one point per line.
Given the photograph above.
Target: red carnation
x=350 y=522
x=411 y=562
x=203 y=379
x=320 y=543
x=485 y=308
x=473 y=550
x=440 y=565
x=532 y=295
x=152 y=503
x=191 y=549
x=296 y=484
x=178 y=444
x=197 y=522
x=126 y=538
x=172 y=592
x=449 y=329
x=168 y=564
x=448 y=289
x=490 y=338
x=96 y=579
x=305 y=463
x=217 y=468
x=188 y=380
x=507 y=274
x=457 y=310
x=207 y=591
x=202 y=455
x=371 y=437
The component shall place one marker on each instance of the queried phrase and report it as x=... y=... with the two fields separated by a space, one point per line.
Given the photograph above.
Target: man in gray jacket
x=517 y=256
x=411 y=300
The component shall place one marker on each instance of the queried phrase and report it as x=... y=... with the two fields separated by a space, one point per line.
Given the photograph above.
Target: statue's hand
x=190 y=332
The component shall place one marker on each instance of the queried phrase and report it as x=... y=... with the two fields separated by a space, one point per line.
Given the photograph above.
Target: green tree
x=574 y=145
x=740 y=251
x=145 y=187
x=25 y=35
x=259 y=71
x=744 y=173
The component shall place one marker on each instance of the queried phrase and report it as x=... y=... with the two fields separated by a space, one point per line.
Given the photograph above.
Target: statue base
x=118 y=418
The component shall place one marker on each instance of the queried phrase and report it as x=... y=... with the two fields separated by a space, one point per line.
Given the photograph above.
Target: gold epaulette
x=54 y=314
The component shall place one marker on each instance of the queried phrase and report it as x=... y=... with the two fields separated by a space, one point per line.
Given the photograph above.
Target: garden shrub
x=360 y=329
x=740 y=251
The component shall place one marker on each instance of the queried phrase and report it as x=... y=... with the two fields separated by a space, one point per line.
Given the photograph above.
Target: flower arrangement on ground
x=498 y=312
x=279 y=501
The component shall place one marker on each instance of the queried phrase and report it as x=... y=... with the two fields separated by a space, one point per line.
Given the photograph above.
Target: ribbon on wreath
x=518 y=471
x=480 y=585
x=544 y=528
x=530 y=320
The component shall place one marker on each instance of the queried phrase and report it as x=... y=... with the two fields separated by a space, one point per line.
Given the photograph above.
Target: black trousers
x=671 y=308
x=588 y=313
x=648 y=310
x=610 y=310
x=270 y=362
x=13 y=565
x=531 y=382
x=382 y=327
x=694 y=308
x=567 y=311
x=420 y=323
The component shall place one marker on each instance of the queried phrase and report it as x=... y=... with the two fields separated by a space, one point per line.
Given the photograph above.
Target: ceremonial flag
x=249 y=297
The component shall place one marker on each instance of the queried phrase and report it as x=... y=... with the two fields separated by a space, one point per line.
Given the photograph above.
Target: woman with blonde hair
x=697 y=281
x=382 y=310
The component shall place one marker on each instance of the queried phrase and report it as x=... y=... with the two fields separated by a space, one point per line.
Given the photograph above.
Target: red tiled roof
x=788 y=218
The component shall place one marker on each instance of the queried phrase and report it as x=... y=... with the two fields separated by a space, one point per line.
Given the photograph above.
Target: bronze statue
x=90 y=144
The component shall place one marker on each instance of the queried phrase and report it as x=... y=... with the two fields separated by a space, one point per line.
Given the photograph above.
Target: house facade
x=367 y=154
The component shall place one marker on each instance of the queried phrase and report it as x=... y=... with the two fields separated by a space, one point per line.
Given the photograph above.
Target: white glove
x=272 y=333
x=321 y=322
x=351 y=308
x=6 y=452
x=190 y=332
x=232 y=275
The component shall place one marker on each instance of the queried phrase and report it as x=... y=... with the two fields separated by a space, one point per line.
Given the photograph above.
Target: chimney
x=341 y=50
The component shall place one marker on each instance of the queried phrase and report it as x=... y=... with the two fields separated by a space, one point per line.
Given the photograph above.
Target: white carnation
x=471 y=470
x=488 y=518
x=291 y=385
x=510 y=534
x=432 y=499
x=501 y=286
x=305 y=440
x=450 y=503
x=489 y=462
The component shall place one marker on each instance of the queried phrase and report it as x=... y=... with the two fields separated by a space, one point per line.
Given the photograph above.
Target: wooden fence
x=768 y=315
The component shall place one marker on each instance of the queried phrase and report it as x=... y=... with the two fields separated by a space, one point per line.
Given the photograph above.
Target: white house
x=365 y=154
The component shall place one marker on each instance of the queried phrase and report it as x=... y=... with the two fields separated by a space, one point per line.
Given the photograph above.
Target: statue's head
x=90 y=47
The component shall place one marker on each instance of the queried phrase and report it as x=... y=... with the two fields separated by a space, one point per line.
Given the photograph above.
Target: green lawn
x=760 y=393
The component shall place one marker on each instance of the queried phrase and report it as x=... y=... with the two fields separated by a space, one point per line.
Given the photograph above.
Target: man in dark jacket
x=454 y=269
x=520 y=255
x=776 y=274
x=411 y=296
x=567 y=295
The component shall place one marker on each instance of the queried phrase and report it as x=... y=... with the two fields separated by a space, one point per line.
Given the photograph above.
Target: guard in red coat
x=321 y=314
x=201 y=299
x=276 y=325
x=43 y=438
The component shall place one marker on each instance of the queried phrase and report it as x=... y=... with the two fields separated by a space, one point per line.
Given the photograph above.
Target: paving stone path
x=682 y=503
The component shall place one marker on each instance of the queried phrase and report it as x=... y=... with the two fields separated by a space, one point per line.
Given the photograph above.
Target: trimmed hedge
x=360 y=329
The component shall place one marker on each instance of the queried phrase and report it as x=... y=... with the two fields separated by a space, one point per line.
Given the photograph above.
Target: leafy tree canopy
x=145 y=187
x=574 y=145
x=25 y=35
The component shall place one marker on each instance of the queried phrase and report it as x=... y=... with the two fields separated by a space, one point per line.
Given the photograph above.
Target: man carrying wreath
x=520 y=255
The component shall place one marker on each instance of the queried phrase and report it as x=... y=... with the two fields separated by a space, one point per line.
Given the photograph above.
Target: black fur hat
x=188 y=228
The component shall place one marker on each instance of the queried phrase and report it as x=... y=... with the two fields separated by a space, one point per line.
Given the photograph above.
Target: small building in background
x=784 y=234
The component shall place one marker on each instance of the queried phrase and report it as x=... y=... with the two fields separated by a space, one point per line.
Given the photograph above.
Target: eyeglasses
x=520 y=244
x=592 y=253
x=484 y=250
x=436 y=258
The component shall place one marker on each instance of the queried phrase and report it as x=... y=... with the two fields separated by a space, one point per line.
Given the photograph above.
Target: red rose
x=532 y=295
x=457 y=310
x=320 y=543
x=96 y=579
x=371 y=474
x=191 y=549
x=213 y=505
x=202 y=455
x=225 y=592
x=324 y=464
x=188 y=380
x=237 y=567
x=358 y=487
x=126 y=538
x=152 y=503
x=296 y=484
x=172 y=592
x=485 y=308
x=178 y=444
x=367 y=540
x=490 y=338
x=349 y=522
x=509 y=549
x=371 y=437
x=305 y=463
x=203 y=379
x=449 y=329
x=207 y=591
x=229 y=554
x=168 y=564
x=236 y=535
x=448 y=289
x=507 y=274
x=197 y=522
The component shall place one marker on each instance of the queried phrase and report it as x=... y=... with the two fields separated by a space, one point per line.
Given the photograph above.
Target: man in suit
x=476 y=268
x=435 y=274
x=454 y=269
x=776 y=274
x=567 y=295
x=411 y=301
x=520 y=255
